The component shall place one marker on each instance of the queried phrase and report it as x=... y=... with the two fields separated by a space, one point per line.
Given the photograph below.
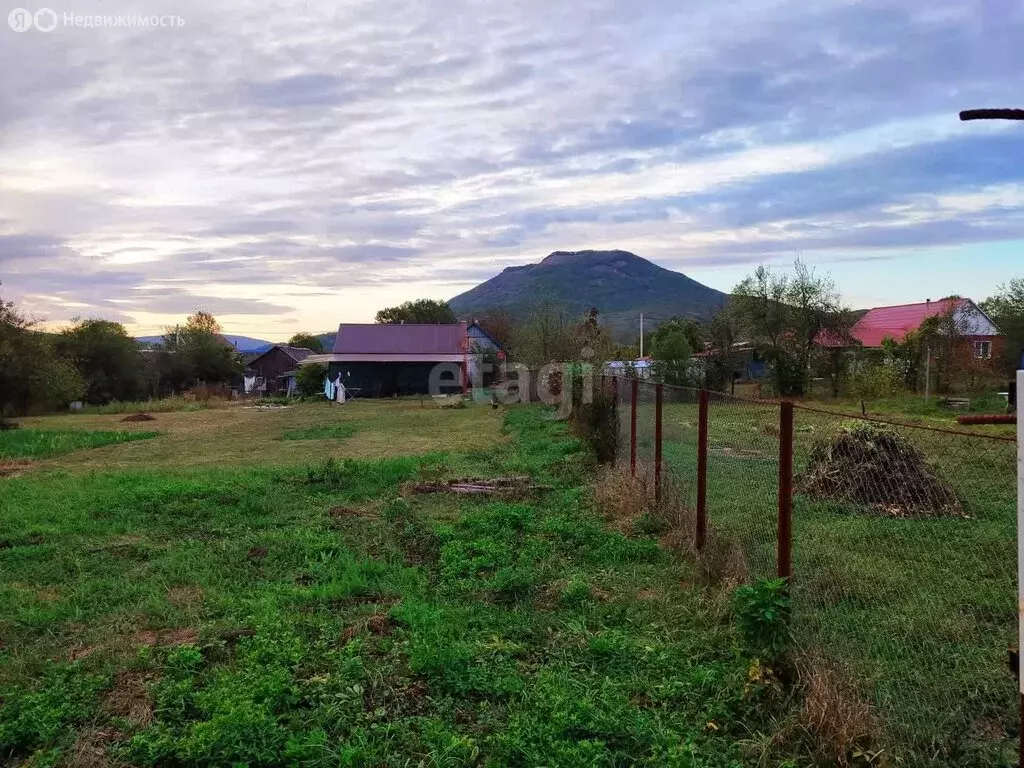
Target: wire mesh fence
x=902 y=546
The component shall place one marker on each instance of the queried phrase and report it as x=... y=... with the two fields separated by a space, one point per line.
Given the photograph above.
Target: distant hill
x=242 y=343
x=619 y=283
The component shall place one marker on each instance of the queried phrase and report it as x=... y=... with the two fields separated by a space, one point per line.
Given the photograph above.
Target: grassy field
x=910 y=618
x=223 y=595
x=47 y=443
x=240 y=435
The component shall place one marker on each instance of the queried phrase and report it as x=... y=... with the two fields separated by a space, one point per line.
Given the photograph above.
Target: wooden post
x=658 y=392
x=632 y=428
x=702 y=469
x=785 y=533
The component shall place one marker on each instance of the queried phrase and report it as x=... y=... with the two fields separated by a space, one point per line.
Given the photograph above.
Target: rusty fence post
x=702 y=469
x=658 y=395
x=785 y=554
x=632 y=428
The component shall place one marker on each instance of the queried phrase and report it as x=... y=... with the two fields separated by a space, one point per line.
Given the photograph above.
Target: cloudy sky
x=292 y=165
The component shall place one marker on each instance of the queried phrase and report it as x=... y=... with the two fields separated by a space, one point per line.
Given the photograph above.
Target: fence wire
x=903 y=560
x=904 y=576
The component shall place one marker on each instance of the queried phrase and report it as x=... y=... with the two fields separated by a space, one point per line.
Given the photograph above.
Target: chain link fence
x=900 y=551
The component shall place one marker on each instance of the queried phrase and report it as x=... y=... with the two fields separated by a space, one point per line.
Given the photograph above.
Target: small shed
x=264 y=375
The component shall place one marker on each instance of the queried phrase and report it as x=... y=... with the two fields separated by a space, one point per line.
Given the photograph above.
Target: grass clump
x=44 y=443
x=340 y=431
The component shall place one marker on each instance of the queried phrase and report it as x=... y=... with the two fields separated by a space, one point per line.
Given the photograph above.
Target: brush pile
x=875 y=466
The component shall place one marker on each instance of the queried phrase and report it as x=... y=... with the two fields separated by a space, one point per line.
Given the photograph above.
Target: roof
x=298 y=354
x=404 y=339
x=895 y=322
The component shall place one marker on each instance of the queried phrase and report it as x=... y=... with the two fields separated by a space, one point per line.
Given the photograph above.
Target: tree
x=309 y=380
x=688 y=331
x=419 y=311
x=787 y=315
x=107 y=358
x=32 y=375
x=672 y=362
x=498 y=324
x=1006 y=308
x=306 y=341
x=721 y=333
x=196 y=352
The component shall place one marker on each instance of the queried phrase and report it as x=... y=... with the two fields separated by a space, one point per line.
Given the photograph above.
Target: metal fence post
x=658 y=392
x=702 y=468
x=1020 y=554
x=632 y=428
x=785 y=553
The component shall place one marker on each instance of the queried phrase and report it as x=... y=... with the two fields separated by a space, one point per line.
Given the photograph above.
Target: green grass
x=340 y=431
x=314 y=615
x=44 y=443
x=162 y=405
x=919 y=612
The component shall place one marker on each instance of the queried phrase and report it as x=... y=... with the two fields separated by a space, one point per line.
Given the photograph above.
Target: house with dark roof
x=268 y=373
x=382 y=360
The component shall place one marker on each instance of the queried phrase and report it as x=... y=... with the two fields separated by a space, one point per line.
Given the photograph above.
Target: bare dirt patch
x=257 y=553
x=130 y=697
x=164 y=637
x=139 y=417
x=13 y=468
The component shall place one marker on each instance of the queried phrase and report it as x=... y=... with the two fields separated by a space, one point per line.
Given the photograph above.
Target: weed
x=762 y=615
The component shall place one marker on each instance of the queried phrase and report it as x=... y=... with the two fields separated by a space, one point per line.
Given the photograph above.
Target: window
x=983 y=350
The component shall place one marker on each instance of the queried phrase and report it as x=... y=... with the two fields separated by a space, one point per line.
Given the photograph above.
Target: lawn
x=47 y=443
x=221 y=595
x=910 y=616
x=245 y=436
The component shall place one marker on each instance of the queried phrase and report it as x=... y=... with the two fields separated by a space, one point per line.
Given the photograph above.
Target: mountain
x=242 y=343
x=619 y=283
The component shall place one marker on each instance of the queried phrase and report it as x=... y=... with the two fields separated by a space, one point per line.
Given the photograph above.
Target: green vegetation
x=338 y=431
x=316 y=615
x=45 y=443
x=901 y=618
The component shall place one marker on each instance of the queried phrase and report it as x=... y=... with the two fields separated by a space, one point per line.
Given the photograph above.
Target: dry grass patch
x=834 y=711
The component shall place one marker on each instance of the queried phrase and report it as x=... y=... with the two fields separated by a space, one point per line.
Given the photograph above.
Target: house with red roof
x=980 y=338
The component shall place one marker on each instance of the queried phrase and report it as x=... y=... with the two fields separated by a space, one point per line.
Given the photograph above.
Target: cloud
x=266 y=157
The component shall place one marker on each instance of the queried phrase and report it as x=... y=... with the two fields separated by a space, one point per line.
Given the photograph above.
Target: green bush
x=762 y=612
x=876 y=380
x=309 y=380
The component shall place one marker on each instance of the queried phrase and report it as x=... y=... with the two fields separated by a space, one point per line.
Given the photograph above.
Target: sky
x=289 y=166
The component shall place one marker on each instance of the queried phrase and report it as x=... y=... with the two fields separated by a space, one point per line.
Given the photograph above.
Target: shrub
x=309 y=380
x=762 y=612
x=597 y=422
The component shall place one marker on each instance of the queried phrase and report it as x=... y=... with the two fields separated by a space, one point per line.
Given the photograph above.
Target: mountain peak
x=619 y=283
x=558 y=258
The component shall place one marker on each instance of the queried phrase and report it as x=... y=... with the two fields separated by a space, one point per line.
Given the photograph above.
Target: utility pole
x=1014 y=114
x=641 y=334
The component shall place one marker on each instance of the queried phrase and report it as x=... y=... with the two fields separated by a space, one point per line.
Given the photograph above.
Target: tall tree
x=786 y=314
x=419 y=311
x=196 y=352
x=107 y=358
x=306 y=341
x=1006 y=308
